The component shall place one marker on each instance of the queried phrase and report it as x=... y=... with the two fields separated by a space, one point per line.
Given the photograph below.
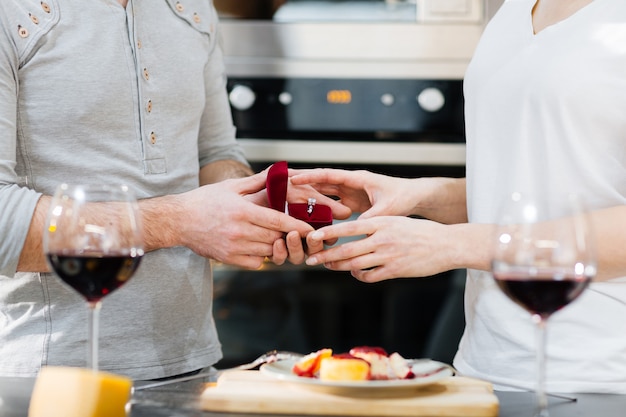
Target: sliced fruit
x=309 y=365
x=377 y=358
x=399 y=367
x=368 y=349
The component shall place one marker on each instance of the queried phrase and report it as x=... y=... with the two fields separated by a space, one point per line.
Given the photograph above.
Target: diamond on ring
x=310 y=205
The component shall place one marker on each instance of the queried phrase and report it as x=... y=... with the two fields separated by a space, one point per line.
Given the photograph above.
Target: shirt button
x=149 y=106
x=179 y=7
x=152 y=138
x=45 y=7
x=196 y=18
x=139 y=44
x=33 y=18
x=22 y=31
x=146 y=74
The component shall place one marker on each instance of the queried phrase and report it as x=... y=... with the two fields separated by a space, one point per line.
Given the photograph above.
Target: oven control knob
x=387 y=99
x=285 y=98
x=431 y=99
x=242 y=97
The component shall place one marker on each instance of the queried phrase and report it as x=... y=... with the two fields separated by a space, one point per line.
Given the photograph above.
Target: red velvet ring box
x=317 y=215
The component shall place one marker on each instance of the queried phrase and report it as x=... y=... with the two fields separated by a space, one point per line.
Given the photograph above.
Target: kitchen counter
x=180 y=400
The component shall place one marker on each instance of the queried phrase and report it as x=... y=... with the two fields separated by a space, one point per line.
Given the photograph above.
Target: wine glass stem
x=542 y=399
x=94 y=322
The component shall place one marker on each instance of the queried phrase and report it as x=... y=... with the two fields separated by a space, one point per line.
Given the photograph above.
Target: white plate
x=282 y=370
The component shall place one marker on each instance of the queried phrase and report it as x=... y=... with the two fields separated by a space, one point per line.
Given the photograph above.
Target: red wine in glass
x=543 y=260
x=93 y=242
x=543 y=294
x=94 y=275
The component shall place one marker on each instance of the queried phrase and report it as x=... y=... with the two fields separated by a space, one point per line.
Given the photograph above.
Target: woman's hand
x=391 y=247
x=362 y=191
x=440 y=199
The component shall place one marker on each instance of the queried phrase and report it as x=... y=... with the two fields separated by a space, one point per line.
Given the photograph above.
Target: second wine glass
x=93 y=242
x=543 y=260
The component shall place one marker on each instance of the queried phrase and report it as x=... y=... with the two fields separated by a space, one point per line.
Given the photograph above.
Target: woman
x=544 y=111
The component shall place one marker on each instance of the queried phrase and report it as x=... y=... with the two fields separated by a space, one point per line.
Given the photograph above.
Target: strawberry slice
x=368 y=349
x=377 y=358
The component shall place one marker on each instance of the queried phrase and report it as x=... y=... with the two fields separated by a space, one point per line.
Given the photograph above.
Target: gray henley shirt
x=92 y=92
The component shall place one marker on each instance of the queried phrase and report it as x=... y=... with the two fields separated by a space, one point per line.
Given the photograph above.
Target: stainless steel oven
x=369 y=84
x=352 y=82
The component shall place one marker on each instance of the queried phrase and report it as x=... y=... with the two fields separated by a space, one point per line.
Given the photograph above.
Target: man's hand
x=218 y=222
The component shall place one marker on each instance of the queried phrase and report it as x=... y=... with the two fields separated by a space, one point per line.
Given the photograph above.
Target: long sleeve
x=17 y=203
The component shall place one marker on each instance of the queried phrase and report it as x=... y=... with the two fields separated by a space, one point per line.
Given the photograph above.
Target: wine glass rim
x=93 y=186
x=119 y=192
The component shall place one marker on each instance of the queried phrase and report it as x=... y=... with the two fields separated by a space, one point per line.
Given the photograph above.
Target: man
x=109 y=92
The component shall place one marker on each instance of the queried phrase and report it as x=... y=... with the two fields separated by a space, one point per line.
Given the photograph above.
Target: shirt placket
x=154 y=159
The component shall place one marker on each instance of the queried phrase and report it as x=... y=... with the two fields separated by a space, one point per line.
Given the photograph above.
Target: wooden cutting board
x=254 y=392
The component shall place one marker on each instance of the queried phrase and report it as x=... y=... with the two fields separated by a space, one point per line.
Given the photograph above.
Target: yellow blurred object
x=79 y=392
x=344 y=369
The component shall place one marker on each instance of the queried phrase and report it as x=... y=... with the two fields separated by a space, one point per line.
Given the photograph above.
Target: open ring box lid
x=276 y=185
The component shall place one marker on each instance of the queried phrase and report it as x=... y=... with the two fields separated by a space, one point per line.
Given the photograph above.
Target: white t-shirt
x=547 y=112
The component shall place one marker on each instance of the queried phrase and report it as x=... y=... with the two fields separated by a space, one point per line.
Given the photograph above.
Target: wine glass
x=543 y=260
x=93 y=241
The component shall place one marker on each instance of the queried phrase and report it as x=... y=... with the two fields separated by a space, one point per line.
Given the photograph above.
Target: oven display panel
x=396 y=109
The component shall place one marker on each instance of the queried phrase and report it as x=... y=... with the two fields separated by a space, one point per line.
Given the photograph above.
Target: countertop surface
x=181 y=400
